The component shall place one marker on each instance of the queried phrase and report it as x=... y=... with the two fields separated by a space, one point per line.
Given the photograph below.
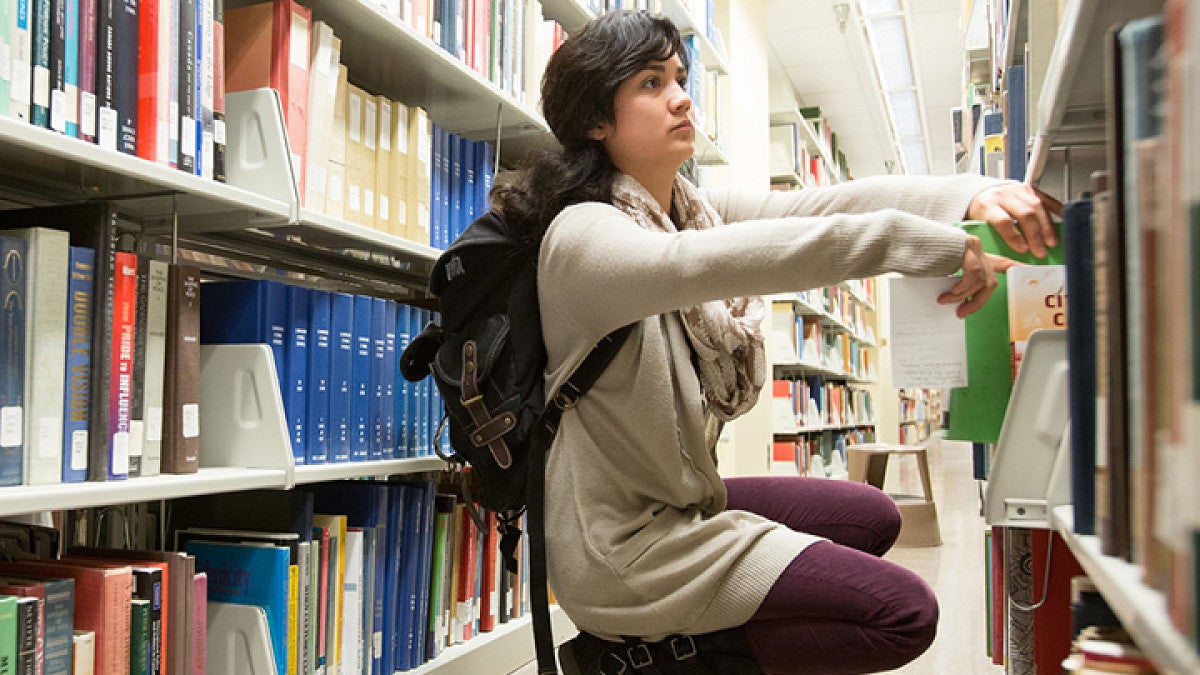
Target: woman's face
x=652 y=129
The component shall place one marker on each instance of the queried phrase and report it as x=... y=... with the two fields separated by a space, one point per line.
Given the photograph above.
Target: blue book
x=400 y=404
x=390 y=372
x=415 y=523
x=80 y=299
x=296 y=358
x=426 y=566
x=58 y=614
x=341 y=375
x=393 y=556
x=197 y=111
x=404 y=578
x=249 y=573
x=1078 y=253
x=458 y=185
x=378 y=354
x=470 y=207
x=248 y=311
x=360 y=415
x=71 y=67
x=413 y=445
x=1014 y=146
x=447 y=196
x=12 y=358
x=486 y=176
x=319 y=349
x=435 y=182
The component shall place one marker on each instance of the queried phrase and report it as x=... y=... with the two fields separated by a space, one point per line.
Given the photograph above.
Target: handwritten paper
x=928 y=342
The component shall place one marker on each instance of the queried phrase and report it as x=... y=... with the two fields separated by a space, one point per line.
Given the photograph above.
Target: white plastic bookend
x=239 y=642
x=242 y=423
x=1030 y=472
x=259 y=159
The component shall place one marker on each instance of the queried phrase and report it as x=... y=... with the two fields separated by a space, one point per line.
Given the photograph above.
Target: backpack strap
x=564 y=399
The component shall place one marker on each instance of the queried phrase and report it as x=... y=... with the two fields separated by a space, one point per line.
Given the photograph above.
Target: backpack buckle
x=564 y=400
x=683 y=647
x=639 y=656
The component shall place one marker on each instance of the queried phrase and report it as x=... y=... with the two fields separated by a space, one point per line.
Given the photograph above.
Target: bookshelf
x=253 y=226
x=816 y=145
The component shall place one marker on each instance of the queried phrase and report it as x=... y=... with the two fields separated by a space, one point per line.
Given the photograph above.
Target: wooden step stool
x=918 y=513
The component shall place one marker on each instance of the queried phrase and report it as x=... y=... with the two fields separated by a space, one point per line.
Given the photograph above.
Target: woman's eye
x=682 y=82
x=650 y=83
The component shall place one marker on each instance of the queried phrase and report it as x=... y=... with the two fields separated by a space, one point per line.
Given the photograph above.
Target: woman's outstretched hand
x=978 y=279
x=1020 y=213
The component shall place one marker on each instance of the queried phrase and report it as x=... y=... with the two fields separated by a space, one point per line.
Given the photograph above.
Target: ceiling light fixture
x=885 y=23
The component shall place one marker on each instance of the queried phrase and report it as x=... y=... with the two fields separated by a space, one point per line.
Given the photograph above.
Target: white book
x=83 y=652
x=205 y=154
x=352 y=589
x=21 y=61
x=154 y=372
x=324 y=55
x=49 y=253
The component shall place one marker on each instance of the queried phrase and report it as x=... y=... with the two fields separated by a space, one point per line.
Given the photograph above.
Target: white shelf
x=1070 y=106
x=826 y=318
x=816 y=144
x=1141 y=609
x=502 y=650
x=824 y=427
x=67 y=496
x=317 y=473
x=713 y=57
x=824 y=371
x=707 y=151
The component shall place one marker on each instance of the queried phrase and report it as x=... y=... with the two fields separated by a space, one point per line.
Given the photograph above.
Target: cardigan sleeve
x=941 y=198
x=598 y=270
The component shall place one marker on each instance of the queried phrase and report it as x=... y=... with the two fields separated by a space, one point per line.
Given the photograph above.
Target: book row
x=336 y=356
x=812 y=403
x=819 y=456
x=143 y=78
x=808 y=340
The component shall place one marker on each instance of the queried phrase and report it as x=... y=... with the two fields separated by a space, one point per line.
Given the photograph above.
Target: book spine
x=360 y=412
x=27 y=635
x=317 y=444
x=171 y=17
x=157 y=287
x=125 y=96
x=139 y=637
x=78 y=364
x=341 y=376
x=148 y=587
x=47 y=253
x=205 y=128
x=181 y=408
x=40 y=31
x=71 y=68
x=58 y=57
x=378 y=352
x=295 y=386
x=8 y=635
x=12 y=358
x=102 y=338
x=186 y=87
x=137 y=405
x=149 y=85
x=218 y=107
x=88 y=25
x=199 y=637
x=107 y=127
x=390 y=370
x=22 y=61
x=120 y=386
x=290 y=35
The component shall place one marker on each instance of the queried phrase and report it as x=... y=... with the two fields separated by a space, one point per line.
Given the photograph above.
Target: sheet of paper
x=928 y=342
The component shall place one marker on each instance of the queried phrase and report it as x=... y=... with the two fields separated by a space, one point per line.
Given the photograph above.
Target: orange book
x=488 y=601
x=266 y=45
x=102 y=604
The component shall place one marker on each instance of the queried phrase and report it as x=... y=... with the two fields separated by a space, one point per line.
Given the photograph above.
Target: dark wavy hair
x=578 y=88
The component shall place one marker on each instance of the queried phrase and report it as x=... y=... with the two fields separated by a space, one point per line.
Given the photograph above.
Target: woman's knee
x=911 y=625
x=887 y=517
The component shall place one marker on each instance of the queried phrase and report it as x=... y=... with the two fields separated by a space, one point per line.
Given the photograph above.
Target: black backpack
x=488 y=361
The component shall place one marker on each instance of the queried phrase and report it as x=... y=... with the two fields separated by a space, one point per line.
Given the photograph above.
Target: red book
x=488 y=602
x=120 y=387
x=483 y=30
x=165 y=591
x=102 y=604
x=1052 y=621
x=260 y=41
x=465 y=594
x=420 y=17
x=999 y=593
x=200 y=621
x=153 y=114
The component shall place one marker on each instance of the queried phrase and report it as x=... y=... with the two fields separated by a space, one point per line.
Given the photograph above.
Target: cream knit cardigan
x=638 y=538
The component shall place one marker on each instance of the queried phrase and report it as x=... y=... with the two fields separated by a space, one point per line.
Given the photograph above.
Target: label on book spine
x=11 y=423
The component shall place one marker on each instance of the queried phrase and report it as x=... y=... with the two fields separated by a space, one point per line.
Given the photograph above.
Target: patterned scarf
x=725 y=334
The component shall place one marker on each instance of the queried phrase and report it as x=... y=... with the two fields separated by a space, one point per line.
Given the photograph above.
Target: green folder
x=977 y=410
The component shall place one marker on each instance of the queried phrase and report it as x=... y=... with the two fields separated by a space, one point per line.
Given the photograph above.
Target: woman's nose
x=681 y=102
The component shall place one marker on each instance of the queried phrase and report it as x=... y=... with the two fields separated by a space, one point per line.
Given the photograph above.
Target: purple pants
x=838 y=607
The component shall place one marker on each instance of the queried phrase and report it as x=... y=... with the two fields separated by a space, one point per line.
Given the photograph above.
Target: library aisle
x=952 y=569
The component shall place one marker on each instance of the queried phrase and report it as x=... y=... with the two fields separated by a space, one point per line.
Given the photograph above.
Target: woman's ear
x=598 y=132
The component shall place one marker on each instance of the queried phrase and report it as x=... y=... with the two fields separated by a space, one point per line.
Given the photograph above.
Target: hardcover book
x=12 y=359
x=78 y=380
x=181 y=395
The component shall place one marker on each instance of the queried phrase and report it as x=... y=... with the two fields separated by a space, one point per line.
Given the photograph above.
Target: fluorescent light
x=915 y=160
x=906 y=113
x=890 y=43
